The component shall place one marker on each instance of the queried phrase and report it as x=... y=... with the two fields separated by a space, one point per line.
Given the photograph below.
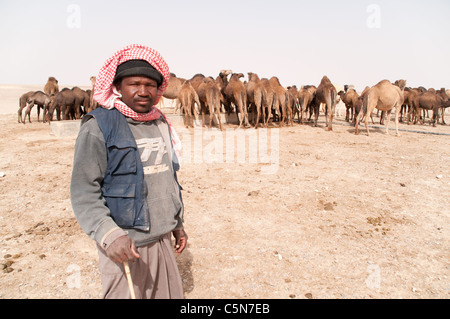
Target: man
x=124 y=189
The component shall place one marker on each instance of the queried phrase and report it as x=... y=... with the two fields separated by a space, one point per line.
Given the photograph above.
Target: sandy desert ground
x=330 y=215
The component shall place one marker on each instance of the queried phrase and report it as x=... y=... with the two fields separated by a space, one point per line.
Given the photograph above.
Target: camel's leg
x=370 y=108
x=27 y=112
x=397 y=115
x=387 y=114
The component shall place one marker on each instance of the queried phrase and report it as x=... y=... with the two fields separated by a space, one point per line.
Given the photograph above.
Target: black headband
x=138 y=67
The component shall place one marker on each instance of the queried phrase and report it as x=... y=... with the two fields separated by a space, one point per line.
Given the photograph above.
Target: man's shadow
x=184 y=261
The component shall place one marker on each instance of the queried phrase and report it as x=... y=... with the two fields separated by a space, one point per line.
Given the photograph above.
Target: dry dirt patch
x=344 y=216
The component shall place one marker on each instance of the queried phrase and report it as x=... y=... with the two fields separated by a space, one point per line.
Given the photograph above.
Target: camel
x=326 y=94
x=268 y=100
x=350 y=99
x=51 y=87
x=65 y=103
x=292 y=102
x=222 y=82
x=255 y=95
x=22 y=103
x=385 y=96
x=305 y=96
x=428 y=100
x=173 y=87
x=40 y=99
x=93 y=104
x=188 y=98
x=235 y=93
x=280 y=100
x=81 y=99
x=209 y=95
x=442 y=93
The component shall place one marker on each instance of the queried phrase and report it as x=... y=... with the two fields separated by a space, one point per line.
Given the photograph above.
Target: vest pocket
x=120 y=201
x=122 y=160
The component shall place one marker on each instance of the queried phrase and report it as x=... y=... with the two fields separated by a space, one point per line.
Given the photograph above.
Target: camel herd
x=68 y=103
x=266 y=99
x=257 y=101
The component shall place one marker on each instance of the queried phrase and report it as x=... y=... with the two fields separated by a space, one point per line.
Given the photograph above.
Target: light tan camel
x=280 y=100
x=326 y=94
x=209 y=95
x=384 y=96
x=268 y=100
x=93 y=104
x=173 y=89
x=188 y=98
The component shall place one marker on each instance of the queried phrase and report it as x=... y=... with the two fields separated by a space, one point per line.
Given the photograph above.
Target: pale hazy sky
x=352 y=42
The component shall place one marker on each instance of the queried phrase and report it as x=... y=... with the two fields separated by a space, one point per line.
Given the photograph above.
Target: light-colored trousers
x=155 y=274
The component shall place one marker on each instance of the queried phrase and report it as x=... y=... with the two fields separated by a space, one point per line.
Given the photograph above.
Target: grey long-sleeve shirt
x=89 y=167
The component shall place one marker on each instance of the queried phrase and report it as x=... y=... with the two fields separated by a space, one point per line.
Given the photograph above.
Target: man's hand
x=122 y=249
x=180 y=240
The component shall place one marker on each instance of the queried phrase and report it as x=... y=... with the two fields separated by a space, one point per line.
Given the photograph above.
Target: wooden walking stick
x=130 y=281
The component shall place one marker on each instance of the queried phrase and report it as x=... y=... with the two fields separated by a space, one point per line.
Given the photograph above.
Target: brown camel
x=93 y=104
x=82 y=100
x=64 y=103
x=268 y=100
x=384 y=96
x=235 y=93
x=222 y=82
x=188 y=98
x=326 y=94
x=51 y=87
x=428 y=100
x=40 y=99
x=22 y=104
x=442 y=93
x=350 y=99
x=292 y=102
x=173 y=88
x=209 y=95
x=280 y=100
x=255 y=96
x=305 y=96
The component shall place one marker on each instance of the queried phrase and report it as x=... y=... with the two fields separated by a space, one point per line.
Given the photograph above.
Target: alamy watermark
x=374 y=19
x=73 y=20
x=373 y=280
x=231 y=146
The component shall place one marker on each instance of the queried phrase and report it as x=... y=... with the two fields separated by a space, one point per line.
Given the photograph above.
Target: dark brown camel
x=428 y=100
x=65 y=103
x=326 y=94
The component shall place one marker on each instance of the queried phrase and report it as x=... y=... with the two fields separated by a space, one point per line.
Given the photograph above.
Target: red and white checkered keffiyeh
x=105 y=92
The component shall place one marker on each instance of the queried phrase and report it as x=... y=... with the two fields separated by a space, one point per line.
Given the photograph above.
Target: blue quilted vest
x=124 y=188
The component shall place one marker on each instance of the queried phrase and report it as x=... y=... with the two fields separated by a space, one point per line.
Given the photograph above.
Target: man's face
x=138 y=92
